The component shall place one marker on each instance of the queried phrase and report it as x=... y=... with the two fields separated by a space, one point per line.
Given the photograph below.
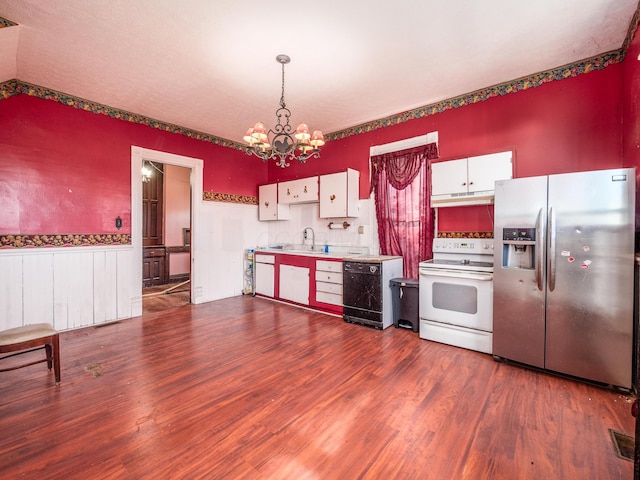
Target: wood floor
x=247 y=388
x=165 y=297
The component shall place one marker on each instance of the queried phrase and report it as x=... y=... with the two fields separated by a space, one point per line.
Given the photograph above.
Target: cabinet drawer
x=154 y=252
x=329 y=287
x=265 y=258
x=332 y=298
x=327 y=266
x=331 y=277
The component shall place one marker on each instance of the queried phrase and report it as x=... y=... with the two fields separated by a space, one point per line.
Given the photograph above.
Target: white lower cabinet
x=329 y=282
x=294 y=284
x=264 y=275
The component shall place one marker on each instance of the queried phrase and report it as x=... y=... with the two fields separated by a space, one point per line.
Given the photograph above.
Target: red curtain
x=400 y=183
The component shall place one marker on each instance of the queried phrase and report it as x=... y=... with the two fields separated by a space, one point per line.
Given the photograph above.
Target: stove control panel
x=463 y=245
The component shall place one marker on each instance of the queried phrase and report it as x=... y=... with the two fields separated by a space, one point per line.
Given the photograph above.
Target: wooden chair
x=29 y=338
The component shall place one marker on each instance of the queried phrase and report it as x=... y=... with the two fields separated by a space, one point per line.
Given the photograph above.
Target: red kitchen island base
x=307 y=280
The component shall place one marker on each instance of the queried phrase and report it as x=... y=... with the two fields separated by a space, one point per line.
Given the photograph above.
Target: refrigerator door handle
x=552 y=250
x=540 y=243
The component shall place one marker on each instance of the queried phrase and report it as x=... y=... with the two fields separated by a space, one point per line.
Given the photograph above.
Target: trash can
x=405 y=302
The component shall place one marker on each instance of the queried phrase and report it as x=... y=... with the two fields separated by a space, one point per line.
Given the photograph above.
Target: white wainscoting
x=226 y=230
x=73 y=287
x=69 y=287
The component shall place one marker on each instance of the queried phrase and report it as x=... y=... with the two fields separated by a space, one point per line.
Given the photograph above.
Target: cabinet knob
x=464 y=184
x=305 y=189
x=470 y=183
x=332 y=198
x=288 y=192
x=266 y=204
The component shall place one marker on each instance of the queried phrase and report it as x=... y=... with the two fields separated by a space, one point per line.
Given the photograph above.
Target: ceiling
x=209 y=65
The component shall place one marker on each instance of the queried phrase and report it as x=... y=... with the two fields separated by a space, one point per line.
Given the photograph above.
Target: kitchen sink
x=312 y=253
x=307 y=252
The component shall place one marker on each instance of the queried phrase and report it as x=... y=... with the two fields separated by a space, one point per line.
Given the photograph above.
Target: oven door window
x=465 y=300
x=455 y=298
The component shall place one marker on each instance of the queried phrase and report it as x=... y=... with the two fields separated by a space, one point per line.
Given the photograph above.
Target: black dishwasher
x=362 y=293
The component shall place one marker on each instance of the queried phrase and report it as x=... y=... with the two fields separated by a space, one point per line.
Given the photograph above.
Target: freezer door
x=518 y=288
x=590 y=272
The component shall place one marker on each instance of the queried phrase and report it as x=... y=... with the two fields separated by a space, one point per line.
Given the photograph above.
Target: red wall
x=630 y=124
x=561 y=126
x=631 y=93
x=65 y=170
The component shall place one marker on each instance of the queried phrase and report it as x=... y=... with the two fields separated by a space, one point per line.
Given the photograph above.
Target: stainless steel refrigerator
x=563 y=273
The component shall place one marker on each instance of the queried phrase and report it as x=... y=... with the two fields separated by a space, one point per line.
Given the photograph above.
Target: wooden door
x=152 y=216
x=154 y=261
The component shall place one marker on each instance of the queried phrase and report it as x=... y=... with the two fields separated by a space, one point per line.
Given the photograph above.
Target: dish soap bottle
x=326 y=247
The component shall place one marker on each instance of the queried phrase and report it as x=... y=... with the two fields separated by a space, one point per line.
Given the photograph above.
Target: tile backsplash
x=290 y=232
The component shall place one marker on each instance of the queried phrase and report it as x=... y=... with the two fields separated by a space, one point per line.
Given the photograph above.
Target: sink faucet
x=313 y=236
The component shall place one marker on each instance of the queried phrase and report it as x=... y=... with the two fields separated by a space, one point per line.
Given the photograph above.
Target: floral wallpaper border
x=585 y=66
x=8 y=241
x=6 y=23
x=64 y=240
x=229 y=198
x=465 y=234
x=633 y=26
x=17 y=87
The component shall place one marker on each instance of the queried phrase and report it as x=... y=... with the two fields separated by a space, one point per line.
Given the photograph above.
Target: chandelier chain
x=282 y=104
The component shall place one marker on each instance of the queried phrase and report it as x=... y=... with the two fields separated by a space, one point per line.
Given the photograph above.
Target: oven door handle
x=483 y=277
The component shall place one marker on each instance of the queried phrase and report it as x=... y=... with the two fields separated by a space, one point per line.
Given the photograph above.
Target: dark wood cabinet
x=154 y=266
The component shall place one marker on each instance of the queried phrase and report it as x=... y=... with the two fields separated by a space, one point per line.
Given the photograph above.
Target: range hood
x=469 y=181
x=462 y=199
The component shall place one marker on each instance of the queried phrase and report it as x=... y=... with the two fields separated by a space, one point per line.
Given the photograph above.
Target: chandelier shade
x=302 y=132
x=281 y=143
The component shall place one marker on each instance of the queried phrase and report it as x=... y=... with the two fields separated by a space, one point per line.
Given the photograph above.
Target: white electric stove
x=456 y=293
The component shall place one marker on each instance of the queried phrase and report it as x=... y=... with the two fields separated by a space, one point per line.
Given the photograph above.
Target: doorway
x=166 y=236
x=170 y=237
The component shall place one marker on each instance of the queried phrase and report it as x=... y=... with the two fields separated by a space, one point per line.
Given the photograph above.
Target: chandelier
x=147 y=171
x=278 y=143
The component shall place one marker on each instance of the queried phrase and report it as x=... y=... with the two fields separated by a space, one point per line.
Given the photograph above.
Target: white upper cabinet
x=485 y=170
x=449 y=177
x=340 y=194
x=303 y=190
x=469 y=181
x=268 y=206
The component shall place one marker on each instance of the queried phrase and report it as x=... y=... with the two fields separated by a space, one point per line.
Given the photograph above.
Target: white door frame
x=138 y=155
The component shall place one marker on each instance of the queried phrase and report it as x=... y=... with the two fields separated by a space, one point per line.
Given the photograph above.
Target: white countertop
x=342 y=253
x=372 y=258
